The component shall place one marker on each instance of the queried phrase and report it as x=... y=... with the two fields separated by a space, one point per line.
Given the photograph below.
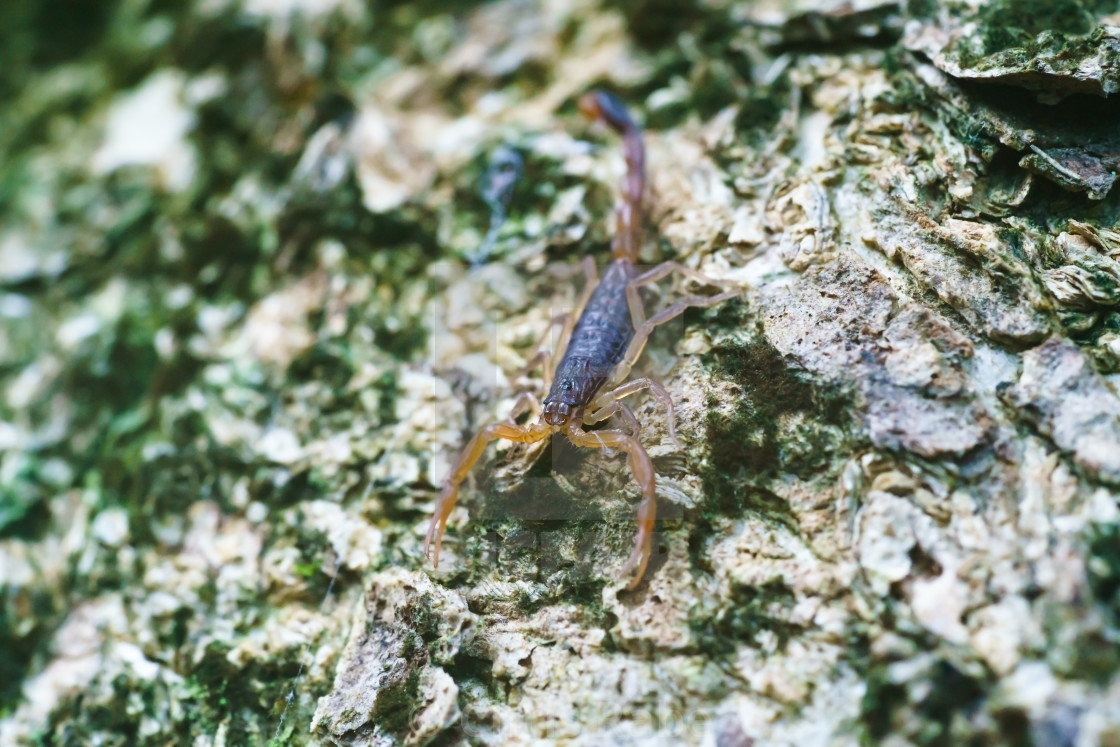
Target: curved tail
x=606 y=108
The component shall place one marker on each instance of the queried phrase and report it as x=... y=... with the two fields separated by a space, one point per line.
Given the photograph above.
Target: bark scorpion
x=599 y=344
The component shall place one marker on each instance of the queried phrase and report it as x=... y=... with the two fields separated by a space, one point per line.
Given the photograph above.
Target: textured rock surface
x=1073 y=406
x=246 y=327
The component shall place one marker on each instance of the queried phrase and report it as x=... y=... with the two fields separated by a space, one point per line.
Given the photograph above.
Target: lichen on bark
x=247 y=327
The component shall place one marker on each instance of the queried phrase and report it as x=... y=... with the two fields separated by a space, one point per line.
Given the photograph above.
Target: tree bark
x=267 y=268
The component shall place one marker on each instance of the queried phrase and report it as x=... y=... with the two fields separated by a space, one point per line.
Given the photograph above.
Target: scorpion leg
x=614 y=408
x=636 y=385
x=541 y=359
x=642 y=469
x=630 y=420
x=510 y=432
x=643 y=327
x=525 y=402
x=664 y=269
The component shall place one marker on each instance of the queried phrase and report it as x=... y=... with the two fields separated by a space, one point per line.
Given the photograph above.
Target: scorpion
x=600 y=343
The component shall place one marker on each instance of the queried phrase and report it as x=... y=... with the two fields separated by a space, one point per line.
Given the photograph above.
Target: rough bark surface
x=254 y=300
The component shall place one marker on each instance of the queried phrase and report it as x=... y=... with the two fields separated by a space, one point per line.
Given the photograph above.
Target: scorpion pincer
x=599 y=349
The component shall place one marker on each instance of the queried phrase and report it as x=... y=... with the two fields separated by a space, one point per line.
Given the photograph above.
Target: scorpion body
x=598 y=343
x=600 y=348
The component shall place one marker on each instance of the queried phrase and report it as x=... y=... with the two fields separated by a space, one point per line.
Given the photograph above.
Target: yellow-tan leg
x=542 y=359
x=644 y=327
x=519 y=434
x=525 y=402
x=642 y=469
x=630 y=420
x=663 y=270
x=613 y=408
x=636 y=385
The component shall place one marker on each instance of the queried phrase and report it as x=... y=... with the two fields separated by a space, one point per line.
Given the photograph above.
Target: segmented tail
x=604 y=107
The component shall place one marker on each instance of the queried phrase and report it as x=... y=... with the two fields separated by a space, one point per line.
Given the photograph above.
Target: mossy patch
x=33 y=37
x=1089 y=655
x=1015 y=23
x=926 y=694
x=395 y=704
x=699 y=56
x=657 y=23
x=23 y=510
x=221 y=691
x=330 y=363
x=762 y=109
x=746 y=612
x=239 y=697
x=926 y=706
x=771 y=420
x=781 y=420
x=387 y=394
x=314 y=546
x=20 y=642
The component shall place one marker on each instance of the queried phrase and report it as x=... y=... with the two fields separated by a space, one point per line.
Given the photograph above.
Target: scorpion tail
x=606 y=108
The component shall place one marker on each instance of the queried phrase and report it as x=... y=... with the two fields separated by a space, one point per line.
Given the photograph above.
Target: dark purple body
x=598 y=343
